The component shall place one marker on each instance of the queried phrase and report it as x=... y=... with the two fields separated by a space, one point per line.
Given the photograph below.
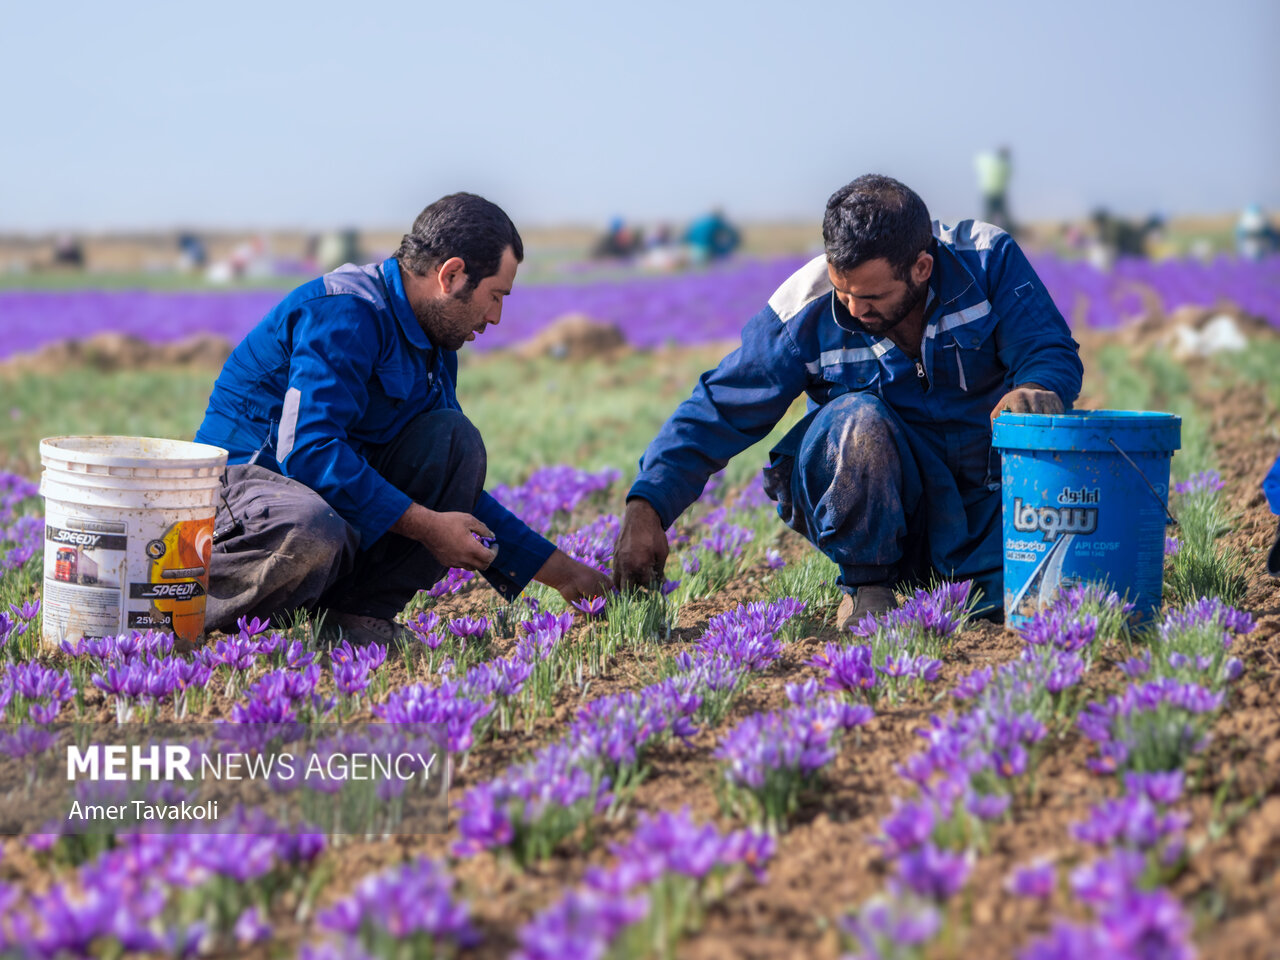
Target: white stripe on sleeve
x=288 y=423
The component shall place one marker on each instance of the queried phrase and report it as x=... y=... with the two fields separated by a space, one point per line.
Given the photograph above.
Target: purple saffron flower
x=934 y=873
x=351 y=677
x=1205 y=481
x=848 y=667
x=468 y=627
x=251 y=927
x=1148 y=924
x=988 y=806
x=1037 y=880
x=424 y=623
x=1162 y=788
x=1110 y=878
x=1070 y=941
x=412 y=898
x=583 y=924
x=902 y=922
x=1138 y=666
x=1067 y=671
x=591 y=606
x=251 y=628
x=910 y=825
x=973 y=684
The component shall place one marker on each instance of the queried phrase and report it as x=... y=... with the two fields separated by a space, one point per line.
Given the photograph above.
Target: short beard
x=916 y=292
x=440 y=321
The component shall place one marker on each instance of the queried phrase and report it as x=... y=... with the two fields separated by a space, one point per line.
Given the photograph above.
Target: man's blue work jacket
x=990 y=325
x=342 y=365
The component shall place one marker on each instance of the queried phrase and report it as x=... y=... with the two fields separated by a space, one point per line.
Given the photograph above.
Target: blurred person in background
x=995 y=170
x=711 y=237
x=338 y=247
x=191 y=252
x=354 y=478
x=68 y=252
x=620 y=241
x=1115 y=237
x=1255 y=236
x=908 y=338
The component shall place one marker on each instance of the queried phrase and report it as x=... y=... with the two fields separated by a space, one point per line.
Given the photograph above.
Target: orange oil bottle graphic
x=179 y=575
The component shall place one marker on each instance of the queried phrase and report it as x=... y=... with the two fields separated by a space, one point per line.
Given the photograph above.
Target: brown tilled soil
x=117 y=351
x=826 y=863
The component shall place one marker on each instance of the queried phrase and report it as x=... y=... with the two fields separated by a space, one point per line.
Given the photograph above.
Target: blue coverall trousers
x=290 y=550
x=847 y=479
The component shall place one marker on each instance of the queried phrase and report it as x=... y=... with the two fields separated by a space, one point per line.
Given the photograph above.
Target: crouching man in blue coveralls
x=355 y=480
x=909 y=338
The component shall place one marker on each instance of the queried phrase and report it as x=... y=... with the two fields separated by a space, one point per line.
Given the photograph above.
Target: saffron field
x=712 y=770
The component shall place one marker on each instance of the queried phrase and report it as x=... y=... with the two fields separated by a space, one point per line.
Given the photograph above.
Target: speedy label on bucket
x=178 y=580
x=84 y=565
x=173 y=595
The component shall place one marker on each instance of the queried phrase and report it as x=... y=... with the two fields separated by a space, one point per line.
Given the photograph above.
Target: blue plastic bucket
x=1085 y=499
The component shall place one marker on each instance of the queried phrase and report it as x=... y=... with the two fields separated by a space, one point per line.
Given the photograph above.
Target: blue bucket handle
x=1129 y=460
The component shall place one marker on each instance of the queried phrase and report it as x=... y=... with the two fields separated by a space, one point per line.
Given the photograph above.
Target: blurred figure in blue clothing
x=1271 y=487
x=354 y=478
x=711 y=237
x=1255 y=236
x=908 y=337
x=620 y=241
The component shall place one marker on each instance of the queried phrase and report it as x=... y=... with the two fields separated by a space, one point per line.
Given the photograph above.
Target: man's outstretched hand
x=573 y=578
x=640 y=556
x=1028 y=398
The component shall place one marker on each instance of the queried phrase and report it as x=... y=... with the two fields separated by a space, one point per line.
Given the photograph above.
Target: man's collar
x=950 y=280
x=399 y=300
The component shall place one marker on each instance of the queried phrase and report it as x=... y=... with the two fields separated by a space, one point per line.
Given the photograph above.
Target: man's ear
x=452 y=276
x=922 y=269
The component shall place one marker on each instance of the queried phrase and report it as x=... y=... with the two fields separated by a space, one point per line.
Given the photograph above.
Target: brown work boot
x=361 y=630
x=872 y=598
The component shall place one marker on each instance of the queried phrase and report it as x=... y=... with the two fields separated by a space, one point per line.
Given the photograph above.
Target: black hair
x=460 y=225
x=872 y=217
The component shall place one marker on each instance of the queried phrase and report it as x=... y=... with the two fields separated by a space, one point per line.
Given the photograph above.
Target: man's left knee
x=465 y=441
x=854 y=429
x=440 y=454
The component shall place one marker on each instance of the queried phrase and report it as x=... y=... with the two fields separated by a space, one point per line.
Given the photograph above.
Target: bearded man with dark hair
x=909 y=337
x=354 y=478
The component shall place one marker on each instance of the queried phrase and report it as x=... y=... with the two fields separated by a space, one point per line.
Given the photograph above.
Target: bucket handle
x=1129 y=460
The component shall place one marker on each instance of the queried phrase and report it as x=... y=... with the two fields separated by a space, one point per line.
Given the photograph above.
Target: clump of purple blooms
x=1206 y=481
x=1192 y=643
x=409 y=910
x=769 y=759
x=532 y=806
x=1153 y=726
x=924 y=622
x=900 y=647
x=891 y=927
x=551 y=494
x=21 y=529
x=662 y=881
x=593 y=543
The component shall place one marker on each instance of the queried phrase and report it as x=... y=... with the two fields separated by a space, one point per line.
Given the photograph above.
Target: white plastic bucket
x=128 y=535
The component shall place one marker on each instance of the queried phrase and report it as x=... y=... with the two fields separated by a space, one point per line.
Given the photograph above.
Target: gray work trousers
x=290 y=550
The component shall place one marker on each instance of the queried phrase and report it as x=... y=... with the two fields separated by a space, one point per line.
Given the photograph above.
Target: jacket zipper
x=921 y=375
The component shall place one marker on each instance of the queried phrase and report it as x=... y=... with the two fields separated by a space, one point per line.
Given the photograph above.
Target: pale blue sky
x=233 y=114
